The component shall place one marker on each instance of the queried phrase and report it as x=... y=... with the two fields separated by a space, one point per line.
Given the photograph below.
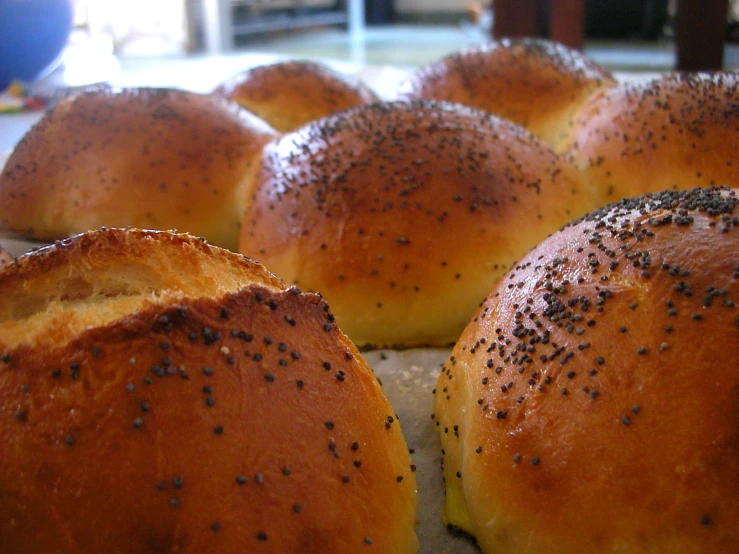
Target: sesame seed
x=137 y=423
x=241 y=480
x=535 y=461
x=218 y=430
x=626 y=420
x=215 y=526
x=261 y=536
x=259 y=478
x=297 y=508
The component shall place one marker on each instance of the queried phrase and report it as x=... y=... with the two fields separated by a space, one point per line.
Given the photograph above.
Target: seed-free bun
x=675 y=132
x=158 y=394
x=591 y=404
x=533 y=82
x=404 y=214
x=292 y=93
x=150 y=158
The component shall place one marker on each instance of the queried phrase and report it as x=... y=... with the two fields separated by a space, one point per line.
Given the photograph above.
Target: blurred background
x=198 y=43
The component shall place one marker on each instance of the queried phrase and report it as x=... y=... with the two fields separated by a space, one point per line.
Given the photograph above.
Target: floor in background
x=403 y=46
x=416 y=45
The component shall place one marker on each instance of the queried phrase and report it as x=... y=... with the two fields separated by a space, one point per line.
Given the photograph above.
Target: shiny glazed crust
x=186 y=413
x=290 y=94
x=675 y=132
x=404 y=214
x=591 y=404
x=149 y=158
x=533 y=82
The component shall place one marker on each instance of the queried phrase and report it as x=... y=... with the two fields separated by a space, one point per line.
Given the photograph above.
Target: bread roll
x=292 y=93
x=533 y=82
x=5 y=258
x=591 y=404
x=150 y=158
x=161 y=395
x=404 y=214
x=675 y=132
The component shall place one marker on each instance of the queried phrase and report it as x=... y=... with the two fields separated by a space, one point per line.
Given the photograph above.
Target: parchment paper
x=408 y=377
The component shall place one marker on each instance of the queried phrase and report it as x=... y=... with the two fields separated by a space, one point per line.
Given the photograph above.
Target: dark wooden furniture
x=700 y=27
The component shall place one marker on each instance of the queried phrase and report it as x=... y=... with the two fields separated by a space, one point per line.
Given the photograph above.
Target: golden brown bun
x=404 y=214
x=149 y=158
x=591 y=404
x=533 y=82
x=5 y=258
x=290 y=94
x=675 y=132
x=161 y=395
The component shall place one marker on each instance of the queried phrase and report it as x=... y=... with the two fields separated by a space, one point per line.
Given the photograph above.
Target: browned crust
x=292 y=93
x=675 y=132
x=403 y=214
x=224 y=423
x=591 y=403
x=148 y=158
x=533 y=82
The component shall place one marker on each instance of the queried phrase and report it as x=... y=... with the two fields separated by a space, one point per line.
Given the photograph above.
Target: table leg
x=516 y=18
x=700 y=33
x=567 y=22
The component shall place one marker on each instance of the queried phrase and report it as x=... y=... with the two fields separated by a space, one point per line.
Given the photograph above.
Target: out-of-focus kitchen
x=196 y=44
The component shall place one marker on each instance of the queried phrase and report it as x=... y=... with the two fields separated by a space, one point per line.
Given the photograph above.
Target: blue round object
x=33 y=34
